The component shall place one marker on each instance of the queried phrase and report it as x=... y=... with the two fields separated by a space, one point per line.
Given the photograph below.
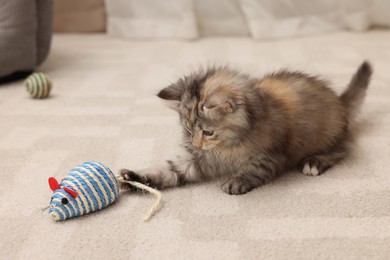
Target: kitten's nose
x=197 y=144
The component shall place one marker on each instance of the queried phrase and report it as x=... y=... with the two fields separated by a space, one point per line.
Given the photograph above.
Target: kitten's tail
x=354 y=95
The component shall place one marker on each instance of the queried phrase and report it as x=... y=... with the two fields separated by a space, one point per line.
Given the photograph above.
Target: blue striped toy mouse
x=88 y=187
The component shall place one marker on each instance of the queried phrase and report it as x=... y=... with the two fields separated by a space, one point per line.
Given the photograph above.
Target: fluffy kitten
x=251 y=130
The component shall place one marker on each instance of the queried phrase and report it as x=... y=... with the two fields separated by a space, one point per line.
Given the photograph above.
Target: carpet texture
x=103 y=107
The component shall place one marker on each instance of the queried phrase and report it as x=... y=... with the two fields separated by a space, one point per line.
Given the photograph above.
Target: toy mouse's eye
x=64 y=201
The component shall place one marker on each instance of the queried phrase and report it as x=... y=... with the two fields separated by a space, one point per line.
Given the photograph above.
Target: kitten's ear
x=218 y=106
x=173 y=94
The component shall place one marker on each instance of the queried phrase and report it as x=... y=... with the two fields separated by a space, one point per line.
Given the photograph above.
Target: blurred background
x=190 y=19
x=26 y=26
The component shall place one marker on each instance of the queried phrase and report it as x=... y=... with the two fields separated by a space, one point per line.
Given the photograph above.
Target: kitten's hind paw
x=314 y=167
x=131 y=176
x=310 y=170
x=237 y=186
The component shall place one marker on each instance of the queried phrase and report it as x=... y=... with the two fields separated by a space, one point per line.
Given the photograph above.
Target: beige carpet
x=103 y=107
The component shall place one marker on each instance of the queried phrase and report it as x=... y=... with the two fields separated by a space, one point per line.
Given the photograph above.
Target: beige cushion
x=79 y=16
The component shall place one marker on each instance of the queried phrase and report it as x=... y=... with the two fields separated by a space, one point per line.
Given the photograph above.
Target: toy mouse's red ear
x=53 y=183
x=71 y=192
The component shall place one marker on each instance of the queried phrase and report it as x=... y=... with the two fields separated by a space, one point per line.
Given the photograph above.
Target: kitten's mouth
x=200 y=147
x=207 y=147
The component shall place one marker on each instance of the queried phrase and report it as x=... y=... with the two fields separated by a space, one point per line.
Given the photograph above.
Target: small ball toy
x=38 y=85
x=89 y=187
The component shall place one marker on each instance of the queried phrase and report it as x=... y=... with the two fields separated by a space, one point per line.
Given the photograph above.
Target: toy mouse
x=88 y=187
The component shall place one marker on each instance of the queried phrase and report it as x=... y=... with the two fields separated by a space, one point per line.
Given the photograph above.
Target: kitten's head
x=212 y=106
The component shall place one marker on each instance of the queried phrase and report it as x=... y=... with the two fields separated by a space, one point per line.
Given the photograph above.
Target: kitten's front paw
x=237 y=186
x=131 y=176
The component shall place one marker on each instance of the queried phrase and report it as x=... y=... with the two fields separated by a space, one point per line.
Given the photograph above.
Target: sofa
x=25 y=30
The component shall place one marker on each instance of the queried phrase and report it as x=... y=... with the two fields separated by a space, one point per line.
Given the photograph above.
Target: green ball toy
x=38 y=85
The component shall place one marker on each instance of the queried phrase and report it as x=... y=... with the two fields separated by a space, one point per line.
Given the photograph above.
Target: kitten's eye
x=64 y=201
x=208 y=132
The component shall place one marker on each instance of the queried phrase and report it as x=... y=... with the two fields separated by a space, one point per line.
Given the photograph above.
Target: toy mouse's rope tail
x=155 y=192
x=43 y=209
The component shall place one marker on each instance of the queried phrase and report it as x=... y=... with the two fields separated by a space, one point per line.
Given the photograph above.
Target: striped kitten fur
x=250 y=130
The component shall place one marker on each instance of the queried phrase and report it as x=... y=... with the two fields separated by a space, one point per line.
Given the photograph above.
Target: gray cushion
x=25 y=34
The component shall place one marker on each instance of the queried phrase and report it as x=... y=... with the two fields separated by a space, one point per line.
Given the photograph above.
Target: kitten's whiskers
x=189 y=131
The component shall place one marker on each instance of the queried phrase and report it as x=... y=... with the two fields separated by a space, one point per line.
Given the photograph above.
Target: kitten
x=251 y=130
